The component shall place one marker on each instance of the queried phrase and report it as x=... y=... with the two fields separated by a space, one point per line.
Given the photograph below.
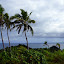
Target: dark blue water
x=38 y=43
x=33 y=45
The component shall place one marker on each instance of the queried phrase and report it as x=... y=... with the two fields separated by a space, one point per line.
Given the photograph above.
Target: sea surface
x=50 y=41
x=33 y=45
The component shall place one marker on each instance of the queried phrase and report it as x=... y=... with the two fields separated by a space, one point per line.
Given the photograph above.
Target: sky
x=48 y=14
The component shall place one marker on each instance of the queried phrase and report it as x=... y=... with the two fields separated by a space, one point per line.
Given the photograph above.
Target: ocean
x=50 y=41
x=33 y=45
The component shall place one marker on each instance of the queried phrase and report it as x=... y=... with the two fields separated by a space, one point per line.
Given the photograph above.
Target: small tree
x=45 y=43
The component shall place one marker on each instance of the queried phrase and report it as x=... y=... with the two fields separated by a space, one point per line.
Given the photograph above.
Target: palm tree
x=7 y=26
x=45 y=43
x=1 y=23
x=58 y=45
x=24 y=21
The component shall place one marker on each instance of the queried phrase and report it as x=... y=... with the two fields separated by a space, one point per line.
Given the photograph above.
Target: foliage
x=45 y=43
x=1 y=24
x=1 y=9
x=54 y=48
x=20 y=55
x=23 y=21
x=56 y=57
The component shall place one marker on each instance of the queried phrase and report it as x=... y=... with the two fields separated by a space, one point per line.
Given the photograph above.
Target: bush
x=20 y=55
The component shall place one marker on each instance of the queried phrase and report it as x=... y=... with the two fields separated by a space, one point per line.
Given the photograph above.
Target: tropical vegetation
x=1 y=23
x=7 y=23
x=24 y=21
x=20 y=55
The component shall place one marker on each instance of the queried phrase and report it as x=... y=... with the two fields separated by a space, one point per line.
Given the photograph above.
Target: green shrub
x=20 y=55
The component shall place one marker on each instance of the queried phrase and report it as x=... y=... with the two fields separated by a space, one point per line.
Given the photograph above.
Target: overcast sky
x=48 y=14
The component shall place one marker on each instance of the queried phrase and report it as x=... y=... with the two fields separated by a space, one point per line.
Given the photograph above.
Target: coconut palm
x=7 y=26
x=58 y=45
x=1 y=23
x=45 y=43
x=24 y=21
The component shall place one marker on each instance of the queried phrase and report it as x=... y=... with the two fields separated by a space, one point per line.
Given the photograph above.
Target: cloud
x=48 y=14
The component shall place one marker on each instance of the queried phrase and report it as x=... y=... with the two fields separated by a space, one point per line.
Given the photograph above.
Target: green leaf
x=31 y=29
x=31 y=21
x=1 y=9
x=6 y=16
x=19 y=30
x=24 y=14
x=18 y=15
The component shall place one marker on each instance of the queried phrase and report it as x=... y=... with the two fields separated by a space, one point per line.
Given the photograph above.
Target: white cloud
x=49 y=14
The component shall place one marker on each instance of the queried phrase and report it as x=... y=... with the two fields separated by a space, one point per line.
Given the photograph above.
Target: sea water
x=39 y=44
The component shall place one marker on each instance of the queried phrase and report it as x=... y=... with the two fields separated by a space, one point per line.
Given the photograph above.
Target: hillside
x=20 y=55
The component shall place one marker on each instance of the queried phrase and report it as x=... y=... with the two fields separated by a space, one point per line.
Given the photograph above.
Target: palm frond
x=12 y=28
x=24 y=28
x=24 y=14
x=19 y=21
x=14 y=17
x=1 y=9
x=11 y=23
x=31 y=29
x=31 y=21
x=19 y=25
x=6 y=16
x=30 y=13
x=19 y=29
x=18 y=15
x=28 y=16
x=16 y=21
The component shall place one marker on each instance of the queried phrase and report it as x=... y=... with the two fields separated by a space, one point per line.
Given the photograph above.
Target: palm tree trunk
x=26 y=40
x=8 y=39
x=2 y=39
